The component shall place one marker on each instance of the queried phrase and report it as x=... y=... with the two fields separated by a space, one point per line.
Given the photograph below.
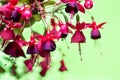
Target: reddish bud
x=88 y=4
x=62 y=67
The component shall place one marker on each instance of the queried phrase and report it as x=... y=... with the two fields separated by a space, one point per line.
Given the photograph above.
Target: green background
x=94 y=65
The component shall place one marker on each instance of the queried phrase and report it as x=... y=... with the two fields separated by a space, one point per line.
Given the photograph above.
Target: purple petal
x=95 y=34
x=49 y=45
x=32 y=49
x=14 y=50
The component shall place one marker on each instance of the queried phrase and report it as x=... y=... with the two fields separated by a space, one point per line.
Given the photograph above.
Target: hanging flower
x=78 y=36
x=95 y=33
x=62 y=67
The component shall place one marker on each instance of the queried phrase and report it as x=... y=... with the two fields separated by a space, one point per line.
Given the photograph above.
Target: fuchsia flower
x=45 y=65
x=47 y=41
x=62 y=67
x=63 y=29
x=78 y=36
x=95 y=33
x=73 y=6
x=32 y=47
x=29 y=64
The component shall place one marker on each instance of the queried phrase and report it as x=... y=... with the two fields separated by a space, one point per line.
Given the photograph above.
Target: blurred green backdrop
x=94 y=65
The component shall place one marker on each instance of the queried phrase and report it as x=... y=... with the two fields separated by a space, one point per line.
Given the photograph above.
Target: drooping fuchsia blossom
x=14 y=48
x=32 y=47
x=62 y=66
x=29 y=64
x=63 y=29
x=78 y=36
x=73 y=6
x=95 y=33
x=47 y=41
x=45 y=65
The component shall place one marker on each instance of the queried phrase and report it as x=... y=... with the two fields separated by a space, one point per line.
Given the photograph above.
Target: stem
x=79 y=48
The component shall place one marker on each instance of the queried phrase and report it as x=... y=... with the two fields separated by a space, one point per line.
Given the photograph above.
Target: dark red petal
x=62 y=67
x=95 y=34
x=64 y=1
x=29 y=64
x=80 y=26
x=14 y=50
x=71 y=25
x=81 y=8
x=13 y=2
x=101 y=24
x=7 y=34
x=17 y=25
x=78 y=37
x=49 y=45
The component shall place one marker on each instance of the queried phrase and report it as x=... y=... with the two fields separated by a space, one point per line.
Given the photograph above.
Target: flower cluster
x=16 y=15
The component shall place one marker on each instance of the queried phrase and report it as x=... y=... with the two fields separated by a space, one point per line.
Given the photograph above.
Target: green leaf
x=77 y=18
x=49 y=3
x=1 y=70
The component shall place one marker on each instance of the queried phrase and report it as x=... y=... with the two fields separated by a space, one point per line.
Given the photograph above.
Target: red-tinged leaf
x=29 y=64
x=62 y=67
x=78 y=37
x=71 y=25
x=14 y=50
x=101 y=24
x=81 y=8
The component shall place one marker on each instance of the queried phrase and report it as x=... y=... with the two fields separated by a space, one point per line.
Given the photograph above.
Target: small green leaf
x=49 y=3
x=77 y=18
x=1 y=70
